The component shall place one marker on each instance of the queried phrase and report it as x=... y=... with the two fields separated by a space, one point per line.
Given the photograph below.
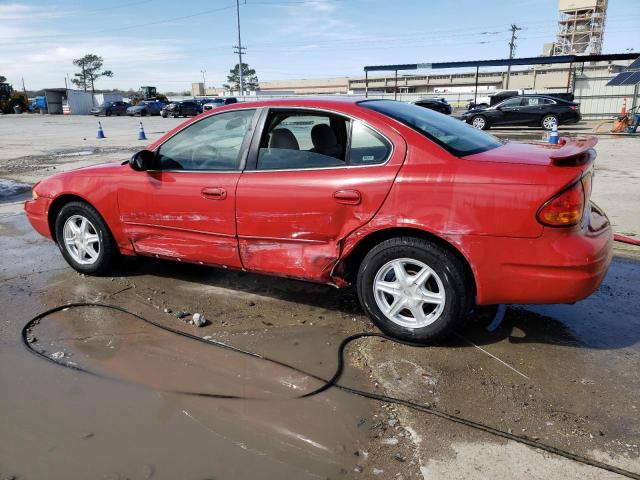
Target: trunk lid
x=568 y=153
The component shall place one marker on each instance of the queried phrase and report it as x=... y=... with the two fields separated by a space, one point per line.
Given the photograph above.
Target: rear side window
x=367 y=147
x=453 y=135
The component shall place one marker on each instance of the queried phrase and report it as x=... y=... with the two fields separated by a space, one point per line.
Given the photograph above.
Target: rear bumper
x=38 y=214
x=561 y=266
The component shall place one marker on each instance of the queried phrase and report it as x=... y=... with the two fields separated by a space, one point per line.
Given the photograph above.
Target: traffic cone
x=141 y=135
x=553 y=138
x=100 y=133
x=623 y=110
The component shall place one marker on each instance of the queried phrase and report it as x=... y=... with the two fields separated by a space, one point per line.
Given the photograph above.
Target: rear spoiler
x=574 y=152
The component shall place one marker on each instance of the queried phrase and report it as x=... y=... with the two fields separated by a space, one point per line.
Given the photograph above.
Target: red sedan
x=426 y=215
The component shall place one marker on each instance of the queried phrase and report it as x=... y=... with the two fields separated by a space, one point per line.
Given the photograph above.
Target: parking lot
x=563 y=375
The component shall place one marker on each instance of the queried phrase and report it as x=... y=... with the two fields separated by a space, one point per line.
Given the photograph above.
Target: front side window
x=299 y=139
x=213 y=143
x=455 y=136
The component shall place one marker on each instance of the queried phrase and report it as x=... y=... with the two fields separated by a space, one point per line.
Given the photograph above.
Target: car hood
x=477 y=110
x=98 y=170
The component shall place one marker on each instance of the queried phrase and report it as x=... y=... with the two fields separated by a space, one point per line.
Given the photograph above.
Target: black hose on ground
x=326 y=384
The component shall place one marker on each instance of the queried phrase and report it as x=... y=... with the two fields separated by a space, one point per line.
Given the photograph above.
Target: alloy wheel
x=81 y=240
x=478 y=122
x=409 y=293
x=549 y=121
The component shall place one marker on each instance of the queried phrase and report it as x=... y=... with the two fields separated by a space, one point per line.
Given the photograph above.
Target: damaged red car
x=425 y=215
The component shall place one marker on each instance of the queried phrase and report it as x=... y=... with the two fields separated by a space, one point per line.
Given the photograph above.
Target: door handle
x=348 y=197
x=214 y=193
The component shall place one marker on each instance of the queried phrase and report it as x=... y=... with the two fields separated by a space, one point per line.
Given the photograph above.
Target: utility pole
x=512 y=49
x=239 y=49
x=204 y=82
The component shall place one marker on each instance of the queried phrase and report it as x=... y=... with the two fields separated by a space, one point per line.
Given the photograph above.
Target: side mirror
x=142 y=160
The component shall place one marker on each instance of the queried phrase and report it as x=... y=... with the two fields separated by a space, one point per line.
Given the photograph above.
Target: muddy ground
x=565 y=375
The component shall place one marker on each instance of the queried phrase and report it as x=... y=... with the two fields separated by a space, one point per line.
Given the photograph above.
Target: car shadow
x=606 y=320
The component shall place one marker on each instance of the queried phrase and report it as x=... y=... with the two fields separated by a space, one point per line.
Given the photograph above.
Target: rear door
x=533 y=109
x=313 y=177
x=185 y=207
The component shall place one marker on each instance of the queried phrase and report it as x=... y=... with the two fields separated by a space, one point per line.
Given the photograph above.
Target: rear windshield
x=453 y=135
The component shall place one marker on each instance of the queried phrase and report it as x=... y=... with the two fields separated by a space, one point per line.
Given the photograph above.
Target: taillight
x=573 y=107
x=565 y=209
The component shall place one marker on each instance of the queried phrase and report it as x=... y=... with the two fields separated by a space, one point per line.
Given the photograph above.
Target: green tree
x=249 y=78
x=90 y=71
x=3 y=79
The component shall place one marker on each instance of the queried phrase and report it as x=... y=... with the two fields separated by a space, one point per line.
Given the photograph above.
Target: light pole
x=204 y=81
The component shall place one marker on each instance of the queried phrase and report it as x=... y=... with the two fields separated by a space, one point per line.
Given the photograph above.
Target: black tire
x=546 y=120
x=143 y=113
x=108 y=251
x=107 y=113
x=479 y=118
x=458 y=288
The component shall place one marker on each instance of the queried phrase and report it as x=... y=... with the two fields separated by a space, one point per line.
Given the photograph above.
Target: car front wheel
x=84 y=239
x=479 y=122
x=548 y=121
x=414 y=289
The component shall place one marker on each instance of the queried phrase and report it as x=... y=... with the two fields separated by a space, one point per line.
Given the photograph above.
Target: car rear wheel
x=84 y=239
x=413 y=289
x=479 y=122
x=548 y=121
x=107 y=113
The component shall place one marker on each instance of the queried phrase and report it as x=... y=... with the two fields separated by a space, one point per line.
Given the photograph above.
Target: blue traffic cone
x=553 y=138
x=141 y=135
x=100 y=133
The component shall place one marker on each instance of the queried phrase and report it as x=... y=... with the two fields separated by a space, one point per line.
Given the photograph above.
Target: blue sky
x=167 y=43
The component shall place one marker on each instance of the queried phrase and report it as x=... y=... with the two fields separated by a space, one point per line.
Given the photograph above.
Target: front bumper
x=38 y=214
x=560 y=266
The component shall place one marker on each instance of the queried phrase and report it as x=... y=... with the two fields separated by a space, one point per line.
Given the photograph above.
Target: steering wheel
x=204 y=154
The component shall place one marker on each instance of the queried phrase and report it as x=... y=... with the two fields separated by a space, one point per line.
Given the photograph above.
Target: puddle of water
x=277 y=436
x=11 y=188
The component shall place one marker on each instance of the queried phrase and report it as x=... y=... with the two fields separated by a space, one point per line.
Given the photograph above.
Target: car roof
x=322 y=102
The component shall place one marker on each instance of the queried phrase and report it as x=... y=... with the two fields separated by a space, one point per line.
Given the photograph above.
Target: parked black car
x=185 y=108
x=437 y=104
x=525 y=110
x=219 y=102
x=111 y=108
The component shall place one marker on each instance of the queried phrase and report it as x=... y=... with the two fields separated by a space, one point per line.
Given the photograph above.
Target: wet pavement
x=566 y=375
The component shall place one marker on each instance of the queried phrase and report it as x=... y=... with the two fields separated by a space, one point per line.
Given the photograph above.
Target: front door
x=185 y=208
x=314 y=178
x=510 y=112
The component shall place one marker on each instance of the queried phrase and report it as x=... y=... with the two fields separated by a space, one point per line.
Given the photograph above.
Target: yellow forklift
x=12 y=101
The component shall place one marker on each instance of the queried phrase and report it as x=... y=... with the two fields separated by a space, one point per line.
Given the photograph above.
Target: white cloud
x=41 y=51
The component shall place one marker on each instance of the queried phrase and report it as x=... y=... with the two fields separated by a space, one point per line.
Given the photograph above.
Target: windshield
x=453 y=135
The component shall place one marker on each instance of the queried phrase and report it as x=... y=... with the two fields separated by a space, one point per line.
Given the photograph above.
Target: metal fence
x=597 y=100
